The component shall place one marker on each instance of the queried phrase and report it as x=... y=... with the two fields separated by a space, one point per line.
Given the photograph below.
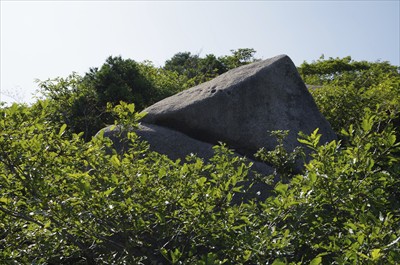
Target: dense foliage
x=343 y=89
x=197 y=70
x=70 y=199
x=81 y=102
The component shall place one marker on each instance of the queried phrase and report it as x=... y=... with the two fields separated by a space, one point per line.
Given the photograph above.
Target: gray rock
x=238 y=108
x=174 y=144
x=241 y=106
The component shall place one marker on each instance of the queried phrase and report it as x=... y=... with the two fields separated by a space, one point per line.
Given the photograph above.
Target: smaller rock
x=177 y=145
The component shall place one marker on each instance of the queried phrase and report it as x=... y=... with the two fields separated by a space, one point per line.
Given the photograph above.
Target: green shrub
x=81 y=102
x=67 y=201
x=344 y=88
x=66 y=198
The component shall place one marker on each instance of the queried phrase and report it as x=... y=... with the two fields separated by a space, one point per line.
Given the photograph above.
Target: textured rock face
x=241 y=106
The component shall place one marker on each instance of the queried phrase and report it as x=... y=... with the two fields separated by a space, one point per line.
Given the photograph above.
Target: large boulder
x=238 y=108
x=242 y=106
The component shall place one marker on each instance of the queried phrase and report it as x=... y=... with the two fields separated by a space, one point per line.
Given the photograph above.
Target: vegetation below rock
x=65 y=200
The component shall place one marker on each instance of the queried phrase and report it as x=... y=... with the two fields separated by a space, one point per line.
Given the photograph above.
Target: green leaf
x=175 y=255
x=240 y=170
x=313 y=177
x=115 y=161
x=304 y=141
x=201 y=181
x=281 y=188
x=131 y=108
x=278 y=262
x=160 y=217
x=360 y=239
x=62 y=129
x=246 y=255
x=86 y=186
x=245 y=219
x=162 y=172
x=367 y=123
x=109 y=191
x=164 y=252
x=316 y=261
x=4 y=200
x=184 y=169
x=114 y=178
x=370 y=163
x=392 y=139
x=375 y=253
x=47 y=224
x=315 y=136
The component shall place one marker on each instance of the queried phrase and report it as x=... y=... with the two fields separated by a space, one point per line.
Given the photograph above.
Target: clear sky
x=47 y=39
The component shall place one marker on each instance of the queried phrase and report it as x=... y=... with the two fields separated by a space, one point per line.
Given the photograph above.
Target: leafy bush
x=67 y=201
x=69 y=102
x=343 y=89
x=81 y=102
x=64 y=201
x=195 y=70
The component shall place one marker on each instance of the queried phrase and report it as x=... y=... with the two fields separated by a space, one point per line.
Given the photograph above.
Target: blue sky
x=46 y=39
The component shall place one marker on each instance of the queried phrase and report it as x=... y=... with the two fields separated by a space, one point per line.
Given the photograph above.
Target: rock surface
x=241 y=106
